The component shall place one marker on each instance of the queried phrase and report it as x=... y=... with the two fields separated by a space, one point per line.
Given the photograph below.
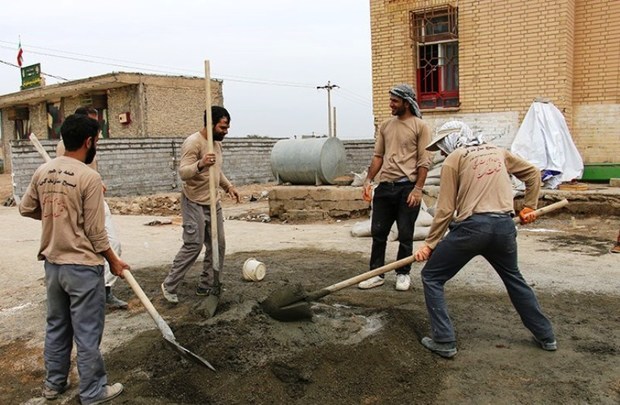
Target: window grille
x=435 y=32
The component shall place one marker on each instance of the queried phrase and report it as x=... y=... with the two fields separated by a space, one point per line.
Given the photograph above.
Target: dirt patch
x=362 y=347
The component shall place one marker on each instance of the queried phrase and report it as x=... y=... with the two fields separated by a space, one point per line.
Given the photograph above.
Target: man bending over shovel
x=475 y=184
x=196 y=210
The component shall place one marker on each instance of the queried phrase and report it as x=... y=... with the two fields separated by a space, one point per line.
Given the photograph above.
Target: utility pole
x=329 y=88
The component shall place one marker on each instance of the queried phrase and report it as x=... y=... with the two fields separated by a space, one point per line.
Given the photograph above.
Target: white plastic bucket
x=253 y=270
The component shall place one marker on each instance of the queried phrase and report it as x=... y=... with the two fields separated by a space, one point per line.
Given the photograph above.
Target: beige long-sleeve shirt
x=475 y=180
x=66 y=195
x=402 y=145
x=196 y=182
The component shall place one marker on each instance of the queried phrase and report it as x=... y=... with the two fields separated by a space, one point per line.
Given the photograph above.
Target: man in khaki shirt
x=399 y=164
x=476 y=202
x=195 y=207
x=67 y=197
x=110 y=299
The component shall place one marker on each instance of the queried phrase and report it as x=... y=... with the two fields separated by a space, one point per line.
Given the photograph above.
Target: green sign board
x=31 y=76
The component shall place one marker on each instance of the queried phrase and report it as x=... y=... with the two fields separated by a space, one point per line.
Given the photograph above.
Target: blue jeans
x=495 y=238
x=389 y=204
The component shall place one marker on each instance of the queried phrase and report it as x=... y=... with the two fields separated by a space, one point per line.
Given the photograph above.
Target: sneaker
x=549 y=345
x=108 y=393
x=376 y=281
x=114 y=303
x=403 y=282
x=51 y=393
x=169 y=296
x=202 y=291
x=616 y=248
x=446 y=350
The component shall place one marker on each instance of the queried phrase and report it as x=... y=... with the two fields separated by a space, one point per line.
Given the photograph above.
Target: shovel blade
x=287 y=304
x=211 y=303
x=187 y=354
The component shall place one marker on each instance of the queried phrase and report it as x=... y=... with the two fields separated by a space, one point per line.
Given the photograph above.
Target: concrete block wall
x=132 y=167
x=314 y=203
x=358 y=154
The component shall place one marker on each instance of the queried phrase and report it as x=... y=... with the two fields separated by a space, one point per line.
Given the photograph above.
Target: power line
x=43 y=73
x=128 y=64
x=106 y=61
x=329 y=87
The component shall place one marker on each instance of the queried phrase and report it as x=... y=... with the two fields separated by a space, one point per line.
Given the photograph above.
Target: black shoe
x=203 y=291
x=446 y=350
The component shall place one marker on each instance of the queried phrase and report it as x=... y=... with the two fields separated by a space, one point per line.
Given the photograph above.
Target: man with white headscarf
x=400 y=164
x=476 y=202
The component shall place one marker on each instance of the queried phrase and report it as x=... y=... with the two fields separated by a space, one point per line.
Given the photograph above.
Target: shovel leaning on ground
x=213 y=298
x=161 y=324
x=292 y=303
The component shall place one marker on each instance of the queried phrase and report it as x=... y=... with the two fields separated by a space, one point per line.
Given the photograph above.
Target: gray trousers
x=495 y=238
x=75 y=311
x=196 y=233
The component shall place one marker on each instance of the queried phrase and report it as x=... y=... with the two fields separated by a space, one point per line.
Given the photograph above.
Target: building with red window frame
x=486 y=62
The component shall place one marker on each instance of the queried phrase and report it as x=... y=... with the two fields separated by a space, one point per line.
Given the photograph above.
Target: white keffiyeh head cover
x=456 y=134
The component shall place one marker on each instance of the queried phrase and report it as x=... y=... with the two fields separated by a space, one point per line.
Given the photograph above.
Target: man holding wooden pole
x=195 y=169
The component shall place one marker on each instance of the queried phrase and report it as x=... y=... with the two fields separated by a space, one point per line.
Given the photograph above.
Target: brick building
x=130 y=105
x=486 y=61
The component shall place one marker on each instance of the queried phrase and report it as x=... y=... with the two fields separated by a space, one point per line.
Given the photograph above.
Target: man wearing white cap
x=400 y=164
x=476 y=186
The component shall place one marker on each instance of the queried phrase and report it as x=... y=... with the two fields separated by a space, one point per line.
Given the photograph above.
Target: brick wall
x=596 y=132
x=596 y=90
x=511 y=52
x=149 y=166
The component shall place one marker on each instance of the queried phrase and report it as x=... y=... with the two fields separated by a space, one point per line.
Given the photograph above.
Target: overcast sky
x=271 y=54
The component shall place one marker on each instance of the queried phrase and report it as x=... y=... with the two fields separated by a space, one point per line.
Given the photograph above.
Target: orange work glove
x=423 y=253
x=367 y=192
x=527 y=215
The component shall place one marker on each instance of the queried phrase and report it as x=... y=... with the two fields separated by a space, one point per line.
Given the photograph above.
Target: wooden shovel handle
x=545 y=209
x=407 y=260
x=369 y=274
x=159 y=321
x=215 y=253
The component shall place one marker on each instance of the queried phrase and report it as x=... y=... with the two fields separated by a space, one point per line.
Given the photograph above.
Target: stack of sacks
x=422 y=226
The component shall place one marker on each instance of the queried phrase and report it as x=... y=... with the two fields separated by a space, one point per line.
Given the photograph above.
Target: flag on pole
x=20 y=54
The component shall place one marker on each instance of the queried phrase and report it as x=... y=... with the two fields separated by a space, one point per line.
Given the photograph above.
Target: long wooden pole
x=212 y=169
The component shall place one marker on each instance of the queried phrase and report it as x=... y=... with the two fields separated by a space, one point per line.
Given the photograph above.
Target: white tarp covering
x=544 y=140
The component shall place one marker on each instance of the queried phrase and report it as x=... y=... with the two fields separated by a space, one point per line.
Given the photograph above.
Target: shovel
x=161 y=324
x=291 y=303
x=213 y=298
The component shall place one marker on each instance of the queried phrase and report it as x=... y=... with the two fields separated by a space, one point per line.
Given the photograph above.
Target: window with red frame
x=435 y=32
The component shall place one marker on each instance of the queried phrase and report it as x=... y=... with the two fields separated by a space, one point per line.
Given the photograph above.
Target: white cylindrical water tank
x=308 y=161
